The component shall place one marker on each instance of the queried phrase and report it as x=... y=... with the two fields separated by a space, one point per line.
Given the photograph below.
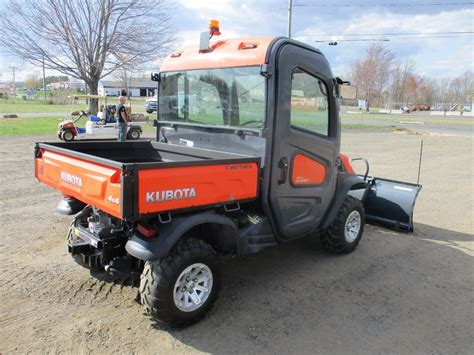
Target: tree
x=462 y=86
x=371 y=73
x=33 y=81
x=86 y=39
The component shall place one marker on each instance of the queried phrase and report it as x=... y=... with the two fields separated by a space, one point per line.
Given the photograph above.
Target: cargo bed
x=133 y=180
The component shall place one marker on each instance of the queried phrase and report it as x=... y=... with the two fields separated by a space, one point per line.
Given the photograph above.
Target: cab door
x=305 y=141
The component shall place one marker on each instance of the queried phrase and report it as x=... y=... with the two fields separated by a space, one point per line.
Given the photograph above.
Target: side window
x=309 y=103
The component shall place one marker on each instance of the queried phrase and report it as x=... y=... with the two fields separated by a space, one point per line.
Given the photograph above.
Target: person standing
x=122 y=119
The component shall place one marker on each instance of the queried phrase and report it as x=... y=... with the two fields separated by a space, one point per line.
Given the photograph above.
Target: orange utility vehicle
x=246 y=157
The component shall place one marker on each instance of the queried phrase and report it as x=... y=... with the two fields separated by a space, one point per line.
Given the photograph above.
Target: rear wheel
x=133 y=134
x=68 y=135
x=344 y=234
x=182 y=287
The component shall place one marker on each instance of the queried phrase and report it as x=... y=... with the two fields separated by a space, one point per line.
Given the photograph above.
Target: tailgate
x=92 y=183
x=174 y=188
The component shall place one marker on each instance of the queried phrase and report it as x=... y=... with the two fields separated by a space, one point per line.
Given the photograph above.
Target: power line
x=13 y=68
x=452 y=33
x=387 y=5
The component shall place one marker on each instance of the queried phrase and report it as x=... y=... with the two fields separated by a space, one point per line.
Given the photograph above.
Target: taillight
x=146 y=230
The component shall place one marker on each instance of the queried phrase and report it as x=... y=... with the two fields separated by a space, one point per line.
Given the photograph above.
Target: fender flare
x=345 y=183
x=170 y=233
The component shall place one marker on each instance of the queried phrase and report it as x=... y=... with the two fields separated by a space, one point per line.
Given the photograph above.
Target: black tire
x=334 y=238
x=159 y=278
x=68 y=135
x=133 y=134
x=149 y=111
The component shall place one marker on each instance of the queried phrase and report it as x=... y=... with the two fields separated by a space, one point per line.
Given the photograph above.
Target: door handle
x=283 y=166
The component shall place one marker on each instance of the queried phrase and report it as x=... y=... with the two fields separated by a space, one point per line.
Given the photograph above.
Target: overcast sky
x=443 y=56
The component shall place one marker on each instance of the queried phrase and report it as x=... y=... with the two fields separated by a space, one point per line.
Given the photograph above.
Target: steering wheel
x=260 y=123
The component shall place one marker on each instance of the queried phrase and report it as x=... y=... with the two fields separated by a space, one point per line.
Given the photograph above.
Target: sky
x=432 y=55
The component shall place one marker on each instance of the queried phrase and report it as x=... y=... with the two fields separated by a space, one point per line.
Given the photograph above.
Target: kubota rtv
x=246 y=157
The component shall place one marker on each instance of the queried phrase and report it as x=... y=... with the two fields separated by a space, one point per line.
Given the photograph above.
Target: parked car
x=151 y=104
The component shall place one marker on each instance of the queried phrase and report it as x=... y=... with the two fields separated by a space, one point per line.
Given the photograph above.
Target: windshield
x=231 y=97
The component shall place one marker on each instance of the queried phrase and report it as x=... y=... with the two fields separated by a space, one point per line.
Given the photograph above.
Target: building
x=137 y=88
x=67 y=85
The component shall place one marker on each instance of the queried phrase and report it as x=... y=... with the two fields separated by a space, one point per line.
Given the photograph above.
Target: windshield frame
x=236 y=129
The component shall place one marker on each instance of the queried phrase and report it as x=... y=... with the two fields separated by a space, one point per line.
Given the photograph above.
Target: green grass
x=19 y=106
x=24 y=126
x=30 y=106
x=28 y=126
x=369 y=127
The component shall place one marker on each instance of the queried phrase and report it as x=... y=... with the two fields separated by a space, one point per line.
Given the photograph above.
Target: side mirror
x=348 y=92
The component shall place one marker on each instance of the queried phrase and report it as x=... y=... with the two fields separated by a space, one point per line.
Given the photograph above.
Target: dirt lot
x=396 y=293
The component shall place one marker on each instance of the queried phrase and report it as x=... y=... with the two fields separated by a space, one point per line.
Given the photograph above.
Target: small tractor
x=101 y=126
x=246 y=157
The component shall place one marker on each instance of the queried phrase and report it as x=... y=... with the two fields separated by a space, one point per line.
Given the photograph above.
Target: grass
x=23 y=126
x=369 y=127
x=28 y=126
x=19 y=106
x=30 y=106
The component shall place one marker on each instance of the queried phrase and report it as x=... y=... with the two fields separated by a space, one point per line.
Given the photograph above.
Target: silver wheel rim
x=352 y=227
x=68 y=136
x=135 y=135
x=193 y=287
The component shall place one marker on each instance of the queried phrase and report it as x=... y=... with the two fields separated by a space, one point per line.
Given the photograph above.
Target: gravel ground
x=397 y=293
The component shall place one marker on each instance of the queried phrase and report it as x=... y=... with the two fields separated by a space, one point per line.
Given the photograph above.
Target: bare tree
x=371 y=73
x=86 y=39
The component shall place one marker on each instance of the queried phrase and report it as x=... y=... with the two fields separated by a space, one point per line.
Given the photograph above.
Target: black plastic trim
x=170 y=233
x=345 y=183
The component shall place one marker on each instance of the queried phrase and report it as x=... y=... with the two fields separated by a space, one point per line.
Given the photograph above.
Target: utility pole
x=44 y=81
x=13 y=68
x=290 y=6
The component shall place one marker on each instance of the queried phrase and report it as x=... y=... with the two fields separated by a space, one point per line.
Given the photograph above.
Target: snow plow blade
x=388 y=202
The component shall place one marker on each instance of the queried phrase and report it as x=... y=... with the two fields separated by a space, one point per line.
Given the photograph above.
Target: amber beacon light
x=214 y=27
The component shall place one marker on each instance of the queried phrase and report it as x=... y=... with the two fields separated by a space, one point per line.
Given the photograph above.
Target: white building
x=137 y=88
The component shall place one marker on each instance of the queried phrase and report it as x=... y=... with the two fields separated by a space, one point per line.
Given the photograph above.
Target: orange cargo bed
x=133 y=180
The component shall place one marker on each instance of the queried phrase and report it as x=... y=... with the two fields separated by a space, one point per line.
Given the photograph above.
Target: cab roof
x=225 y=53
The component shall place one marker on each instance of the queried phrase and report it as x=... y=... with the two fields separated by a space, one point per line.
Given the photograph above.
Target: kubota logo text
x=170 y=195
x=71 y=179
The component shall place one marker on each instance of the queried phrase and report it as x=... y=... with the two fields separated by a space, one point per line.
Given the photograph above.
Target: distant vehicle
x=151 y=104
x=103 y=125
x=405 y=109
x=419 y=107
x=111 y=94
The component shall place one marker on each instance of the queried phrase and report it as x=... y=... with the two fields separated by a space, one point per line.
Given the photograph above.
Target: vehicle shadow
x=397 y=292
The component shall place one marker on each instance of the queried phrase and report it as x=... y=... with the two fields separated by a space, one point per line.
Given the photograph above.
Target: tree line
x=383 y=79
x=86 y=39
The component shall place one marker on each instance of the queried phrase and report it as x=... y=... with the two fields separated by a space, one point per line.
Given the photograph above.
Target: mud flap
x=388 y=202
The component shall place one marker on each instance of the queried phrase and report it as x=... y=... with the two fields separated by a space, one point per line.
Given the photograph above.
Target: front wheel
x=133 y=134
x=182 y=287
x=149 y=111
x=346 y=230
x=68 y=135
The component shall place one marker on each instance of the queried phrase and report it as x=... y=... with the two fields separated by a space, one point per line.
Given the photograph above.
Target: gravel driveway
x=397 y=293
